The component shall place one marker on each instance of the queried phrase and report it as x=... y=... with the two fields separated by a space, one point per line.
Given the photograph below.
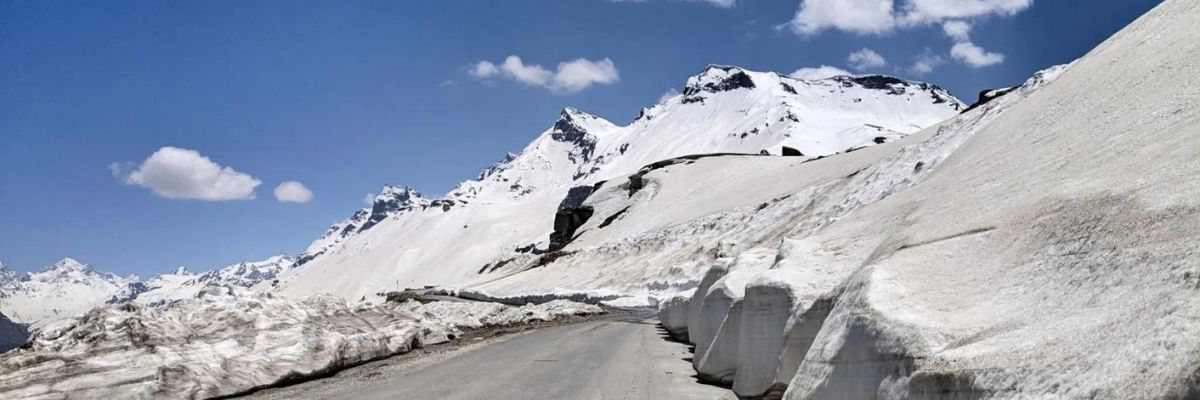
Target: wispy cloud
x=818 y=73
x=965 y=50
x=570 y=76
x=865 y=59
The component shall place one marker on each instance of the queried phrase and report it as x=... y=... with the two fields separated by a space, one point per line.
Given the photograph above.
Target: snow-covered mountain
x=390 y=201
x=65 y=289
x=409 y=240
x=183 y=284
x=70 y=288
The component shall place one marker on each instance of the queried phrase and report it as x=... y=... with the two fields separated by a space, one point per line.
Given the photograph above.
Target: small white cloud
x=718 y=3
x=577 y=75
x=856 y=16
x=865 y=59
x=368 y=199
x=293 y=192
x=570 y=77
x=483 y=69
x=447 y=83
x=177 y=173
x=926 y=62
x=960 y=31
x=818 y=73
x=975 y=56
x=670 y=93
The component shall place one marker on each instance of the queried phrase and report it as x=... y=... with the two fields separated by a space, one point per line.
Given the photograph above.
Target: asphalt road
x=611 y=359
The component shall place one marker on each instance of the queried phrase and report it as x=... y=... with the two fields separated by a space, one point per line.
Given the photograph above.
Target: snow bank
x=228 y=340
x=1041 y=246
x=223 y=341
x=673 y=313
x=720 y=316
x=474 y=315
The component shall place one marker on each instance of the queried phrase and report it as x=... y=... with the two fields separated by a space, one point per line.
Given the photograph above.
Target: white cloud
x=177 y=173
x=882 y=16
x=577 y=75
x=293 y=192
x=529 y=74
x=975 y=56
x=818 y=73
x=857 y=16
x=368 y=199
x=865 y=59
x=960 y=31
x=570 y=77
x=483 y=69
x=926 y=62
x=667 y=95
x=915 y=12
x=966 y=51
x=718 y=3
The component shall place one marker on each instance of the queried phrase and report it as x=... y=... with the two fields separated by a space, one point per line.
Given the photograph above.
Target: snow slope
x=509 y=209
x=1047 y=253
x=228 y=340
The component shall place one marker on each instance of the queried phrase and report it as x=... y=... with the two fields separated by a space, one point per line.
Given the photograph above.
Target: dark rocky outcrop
x=571 y=215
x=792 y=152
x=566 y=222
x=986 y=96
x=576 y=196
x=736 y=80
x=12 y=334
x=391 y=200
x=608 y=221
x=569 y=130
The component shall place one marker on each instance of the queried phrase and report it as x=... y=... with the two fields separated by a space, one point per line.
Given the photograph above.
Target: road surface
x=611 y=359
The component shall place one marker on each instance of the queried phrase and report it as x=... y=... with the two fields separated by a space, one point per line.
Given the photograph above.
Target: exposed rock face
x=12 y=334
x=566 y=222
x=988 y=95
x=719 y=78
x=569 y=129
x=391 y=200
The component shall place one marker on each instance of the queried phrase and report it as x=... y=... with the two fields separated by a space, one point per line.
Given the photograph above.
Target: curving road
x=612 y=359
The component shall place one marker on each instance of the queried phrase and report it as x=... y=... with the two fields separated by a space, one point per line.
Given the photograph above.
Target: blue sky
x=346 y=96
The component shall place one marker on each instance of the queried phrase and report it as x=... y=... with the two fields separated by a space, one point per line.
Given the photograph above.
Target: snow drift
x=228 y=340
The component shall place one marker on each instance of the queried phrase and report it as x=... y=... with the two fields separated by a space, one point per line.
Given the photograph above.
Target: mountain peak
x=69 y=264
x=718 y=78
x=397 y=192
